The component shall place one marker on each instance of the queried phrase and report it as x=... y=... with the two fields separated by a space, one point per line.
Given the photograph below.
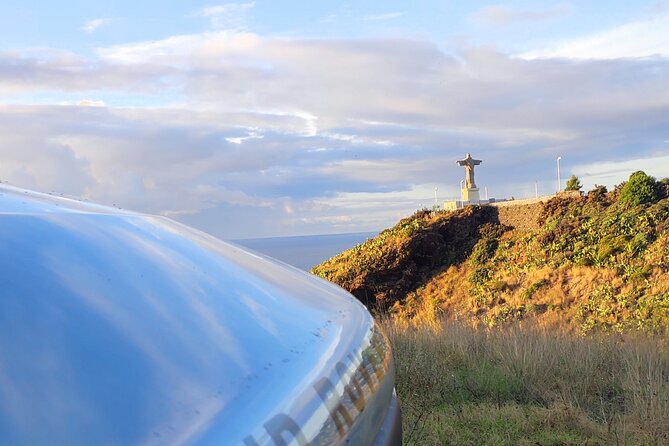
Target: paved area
x=523 y=201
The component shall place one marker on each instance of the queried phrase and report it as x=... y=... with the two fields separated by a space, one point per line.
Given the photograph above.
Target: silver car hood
x=122 y=328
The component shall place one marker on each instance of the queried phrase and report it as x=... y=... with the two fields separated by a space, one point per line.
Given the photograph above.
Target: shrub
x=573 y=183
x=639 y=189
x=560 y=206
x=662 y=188
x=483 y=251
x=479 y=277
x=492 y=230
x=597 y=195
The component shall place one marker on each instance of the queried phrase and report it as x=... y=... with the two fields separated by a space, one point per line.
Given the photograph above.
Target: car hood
x=123 y=328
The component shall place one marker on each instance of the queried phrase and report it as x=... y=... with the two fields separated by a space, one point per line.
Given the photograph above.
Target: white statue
x=469 y=164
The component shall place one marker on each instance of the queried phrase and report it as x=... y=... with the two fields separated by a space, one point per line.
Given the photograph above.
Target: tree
x=639 y=189
x=573 y=183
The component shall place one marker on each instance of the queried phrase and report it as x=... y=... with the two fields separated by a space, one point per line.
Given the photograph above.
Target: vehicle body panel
x=123 y=328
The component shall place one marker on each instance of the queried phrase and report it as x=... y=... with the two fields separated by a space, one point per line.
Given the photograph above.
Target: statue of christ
x=469 y=164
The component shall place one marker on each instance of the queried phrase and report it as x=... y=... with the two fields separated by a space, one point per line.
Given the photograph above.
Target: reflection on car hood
x=122 y=328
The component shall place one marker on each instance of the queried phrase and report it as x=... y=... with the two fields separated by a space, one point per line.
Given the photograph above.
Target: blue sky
x=274 y=118
x=82 y=26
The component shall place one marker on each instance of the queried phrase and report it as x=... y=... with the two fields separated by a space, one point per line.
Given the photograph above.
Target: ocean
x=306 y=251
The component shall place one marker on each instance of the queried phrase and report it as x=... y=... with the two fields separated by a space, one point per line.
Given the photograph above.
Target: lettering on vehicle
x=344 y=407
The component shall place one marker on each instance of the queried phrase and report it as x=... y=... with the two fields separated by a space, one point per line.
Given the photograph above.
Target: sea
x=305 y=251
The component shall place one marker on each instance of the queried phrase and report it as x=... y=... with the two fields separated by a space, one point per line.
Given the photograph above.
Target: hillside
x=597 y=261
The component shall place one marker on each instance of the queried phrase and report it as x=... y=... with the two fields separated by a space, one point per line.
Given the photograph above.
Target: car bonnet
x=123 y=328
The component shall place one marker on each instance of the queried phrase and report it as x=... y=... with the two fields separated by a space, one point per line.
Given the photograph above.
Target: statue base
x=471 y=195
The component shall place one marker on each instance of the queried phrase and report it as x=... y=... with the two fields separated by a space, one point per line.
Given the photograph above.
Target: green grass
x=508 y=424
x=463 y=385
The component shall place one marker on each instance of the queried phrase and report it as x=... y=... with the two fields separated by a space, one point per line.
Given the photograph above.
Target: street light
x=436 y=203
x=558 y=169
x=462 y=186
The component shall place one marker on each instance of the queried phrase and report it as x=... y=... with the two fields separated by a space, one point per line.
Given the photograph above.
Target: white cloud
x=180 y=49
x=610 y=173
x=228 y=15
x=240 y=139
x=373 y=211
x=94 y=24
x=645 y=38
x=91 y=103
x=53 y=70
x=336 y=220
x=384 y=16
x=500 y=15
x=377 y=171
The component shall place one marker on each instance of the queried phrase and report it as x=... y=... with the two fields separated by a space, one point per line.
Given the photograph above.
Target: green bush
x=639 y=189
x=483 y=251
x=479 y=277
x=573 y=183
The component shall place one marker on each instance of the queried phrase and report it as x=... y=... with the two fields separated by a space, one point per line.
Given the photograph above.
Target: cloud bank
x=281 y=136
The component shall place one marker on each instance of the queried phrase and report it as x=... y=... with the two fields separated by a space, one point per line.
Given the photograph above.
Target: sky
x=278 y=117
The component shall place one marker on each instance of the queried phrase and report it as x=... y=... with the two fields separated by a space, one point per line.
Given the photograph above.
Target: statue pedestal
x=471 y=195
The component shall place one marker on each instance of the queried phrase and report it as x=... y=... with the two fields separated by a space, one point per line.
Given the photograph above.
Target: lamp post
x=436 y=203
x=558 y=172
x=462 y=185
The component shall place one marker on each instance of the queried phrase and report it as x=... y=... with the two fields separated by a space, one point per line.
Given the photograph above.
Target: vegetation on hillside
x=599 y=262
x=384 y=269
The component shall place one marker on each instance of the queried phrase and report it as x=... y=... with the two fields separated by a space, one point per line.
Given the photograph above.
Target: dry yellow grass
x=464 y=384
x=546 y=297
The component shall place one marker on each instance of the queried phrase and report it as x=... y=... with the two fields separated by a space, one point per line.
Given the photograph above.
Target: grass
x=462 y=385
